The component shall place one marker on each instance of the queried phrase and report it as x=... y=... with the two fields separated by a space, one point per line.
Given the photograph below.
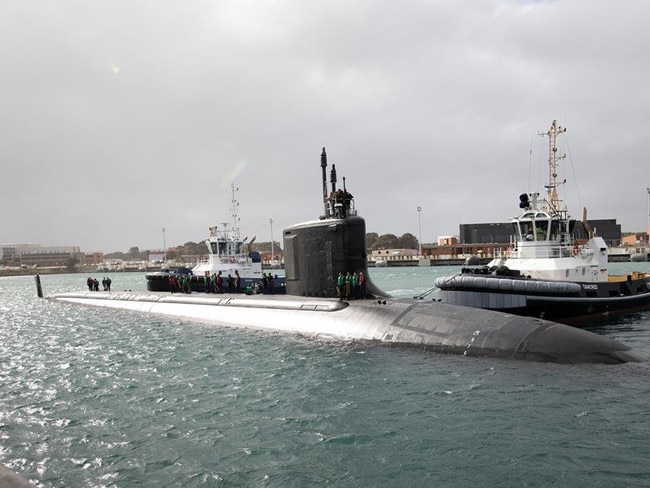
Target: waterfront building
x=36 y=255
x=503 y=233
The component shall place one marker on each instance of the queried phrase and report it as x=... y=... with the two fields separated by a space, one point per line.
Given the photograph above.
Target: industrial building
x=502 y=233
x=35 y=255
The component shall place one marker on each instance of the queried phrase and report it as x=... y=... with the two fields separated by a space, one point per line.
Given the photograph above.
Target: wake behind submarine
x=315 y=252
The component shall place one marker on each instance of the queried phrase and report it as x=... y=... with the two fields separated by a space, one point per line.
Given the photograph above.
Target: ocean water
x=96 y=397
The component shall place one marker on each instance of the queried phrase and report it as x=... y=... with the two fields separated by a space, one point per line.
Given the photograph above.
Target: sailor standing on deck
x=340 y=284
x=362 y=285
x=219 y=283
x=213 y=283
x=348 y=285
x=355 y=286
x=271 y=284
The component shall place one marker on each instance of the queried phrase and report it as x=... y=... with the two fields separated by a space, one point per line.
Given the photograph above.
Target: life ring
x=232 y=259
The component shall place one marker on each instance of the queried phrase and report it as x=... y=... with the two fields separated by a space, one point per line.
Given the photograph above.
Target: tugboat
x=547 y=273
x=229 y=257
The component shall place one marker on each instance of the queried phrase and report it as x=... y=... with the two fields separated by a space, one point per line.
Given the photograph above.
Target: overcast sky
x=119 y=118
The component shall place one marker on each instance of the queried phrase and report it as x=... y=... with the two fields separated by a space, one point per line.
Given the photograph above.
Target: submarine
x=315 y=252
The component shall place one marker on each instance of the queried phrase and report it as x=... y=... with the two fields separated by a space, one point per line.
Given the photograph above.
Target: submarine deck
x=431 y=324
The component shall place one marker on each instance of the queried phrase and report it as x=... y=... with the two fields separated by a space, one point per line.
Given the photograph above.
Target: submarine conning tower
x=316 y=252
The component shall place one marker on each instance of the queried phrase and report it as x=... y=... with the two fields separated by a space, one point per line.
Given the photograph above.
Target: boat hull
x=561 y=301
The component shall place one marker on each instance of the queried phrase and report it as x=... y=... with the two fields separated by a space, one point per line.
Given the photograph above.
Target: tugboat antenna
x=553 y=160
x=234 y=210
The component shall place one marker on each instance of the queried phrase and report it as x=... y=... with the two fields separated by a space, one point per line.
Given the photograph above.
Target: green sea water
x=97 y=397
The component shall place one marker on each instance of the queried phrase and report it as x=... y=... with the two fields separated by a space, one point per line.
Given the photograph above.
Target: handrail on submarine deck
x=431 y=290
x=425 y=293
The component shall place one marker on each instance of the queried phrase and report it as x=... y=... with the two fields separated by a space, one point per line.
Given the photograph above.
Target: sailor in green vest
x=340 y=283
x=348 y=285
x=355 y=285
x=213 y=283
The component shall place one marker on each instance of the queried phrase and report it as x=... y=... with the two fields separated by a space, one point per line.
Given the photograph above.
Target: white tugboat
x=546 y=272
x=231 y=265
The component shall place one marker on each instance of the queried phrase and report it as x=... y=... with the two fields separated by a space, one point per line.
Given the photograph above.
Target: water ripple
x=94 y=397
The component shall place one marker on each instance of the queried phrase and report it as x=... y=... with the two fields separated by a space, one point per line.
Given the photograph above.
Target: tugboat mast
x=553 y=160
x=230 y=228
x=234 y=208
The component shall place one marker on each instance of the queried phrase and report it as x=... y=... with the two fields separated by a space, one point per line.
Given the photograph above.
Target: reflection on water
x=98 y=397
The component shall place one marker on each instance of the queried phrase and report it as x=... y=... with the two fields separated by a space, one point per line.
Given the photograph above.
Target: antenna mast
x=323 y=165
x=234 y=209
x=553 y=160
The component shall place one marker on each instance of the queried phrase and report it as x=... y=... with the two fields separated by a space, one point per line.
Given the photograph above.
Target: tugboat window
x=527 y=231
x=541 y=229
x=555 y=228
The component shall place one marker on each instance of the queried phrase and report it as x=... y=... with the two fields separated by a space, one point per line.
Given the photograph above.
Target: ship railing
x=541 y=251
x=566 y=247
x=225 y=257
x=501 y=253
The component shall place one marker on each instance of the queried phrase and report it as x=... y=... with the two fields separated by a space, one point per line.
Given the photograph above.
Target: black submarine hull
x=433 y=325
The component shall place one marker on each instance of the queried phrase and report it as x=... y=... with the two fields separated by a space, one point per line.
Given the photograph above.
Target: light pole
x=419 y=232
x=647 y=230
x=272 y=248
x=164 y=246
